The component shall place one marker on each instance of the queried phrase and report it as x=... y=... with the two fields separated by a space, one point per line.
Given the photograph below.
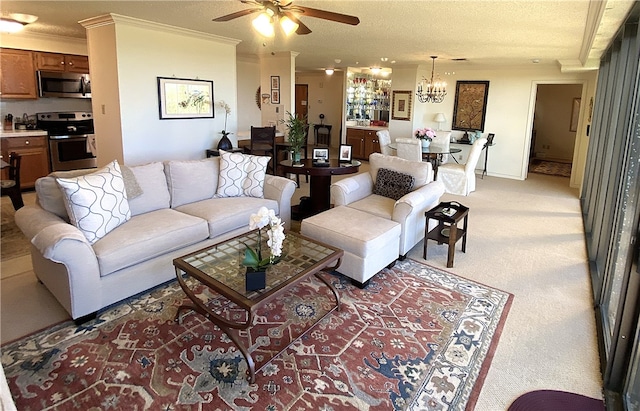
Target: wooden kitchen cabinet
x=62 y=62
x=35 y=157
x=17 y=74
x=363 y=142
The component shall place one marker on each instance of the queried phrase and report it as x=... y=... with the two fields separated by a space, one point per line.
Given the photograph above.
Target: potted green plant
x=296 y=130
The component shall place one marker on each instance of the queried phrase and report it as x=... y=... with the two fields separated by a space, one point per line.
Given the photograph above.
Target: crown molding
x=112 y=18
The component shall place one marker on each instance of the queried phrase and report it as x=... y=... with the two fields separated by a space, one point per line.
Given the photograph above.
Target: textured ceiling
x=407 y=32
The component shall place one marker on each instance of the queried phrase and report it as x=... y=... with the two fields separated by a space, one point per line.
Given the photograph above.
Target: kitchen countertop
x=376 y=128
x=22 y=133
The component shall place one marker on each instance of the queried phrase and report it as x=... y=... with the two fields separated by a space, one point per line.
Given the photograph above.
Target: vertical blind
x=611 y=198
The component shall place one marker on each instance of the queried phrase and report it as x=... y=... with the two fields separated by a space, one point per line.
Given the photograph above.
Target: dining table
x=434 y=154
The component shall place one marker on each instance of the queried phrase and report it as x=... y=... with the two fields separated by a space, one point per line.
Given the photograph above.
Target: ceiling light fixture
x=266 y=20
x=329 y=71
x=10 y=25
x=432 y=91
x=374 y=70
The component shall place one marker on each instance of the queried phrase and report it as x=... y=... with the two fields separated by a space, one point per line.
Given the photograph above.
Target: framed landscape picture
x=470 y=107
x=401 y=105
x=185 y=98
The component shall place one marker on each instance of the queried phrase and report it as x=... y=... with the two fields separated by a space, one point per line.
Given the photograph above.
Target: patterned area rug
x=415 y=338
x=552 y=168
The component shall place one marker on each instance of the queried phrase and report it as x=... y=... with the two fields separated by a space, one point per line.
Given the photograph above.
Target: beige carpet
x=14 y=243
x=525 y=237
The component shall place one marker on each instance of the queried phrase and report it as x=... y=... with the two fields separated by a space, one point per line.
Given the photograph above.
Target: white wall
x=283 y=65
x=405 y=78
x=144 y=55
x=249 y=114
x=510 y=107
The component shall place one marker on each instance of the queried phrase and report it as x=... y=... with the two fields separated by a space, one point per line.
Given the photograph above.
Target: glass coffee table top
x=220 y=266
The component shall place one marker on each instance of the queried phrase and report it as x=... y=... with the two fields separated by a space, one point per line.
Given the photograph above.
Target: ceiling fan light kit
x=287 y=15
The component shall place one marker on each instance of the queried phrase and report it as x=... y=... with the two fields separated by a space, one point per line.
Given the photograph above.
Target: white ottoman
x=370 y=243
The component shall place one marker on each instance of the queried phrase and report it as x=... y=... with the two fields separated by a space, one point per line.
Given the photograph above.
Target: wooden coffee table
x=219 y=268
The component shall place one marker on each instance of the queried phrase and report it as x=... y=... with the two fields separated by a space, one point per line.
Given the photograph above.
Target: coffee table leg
x=332 y=288
x=226 y=326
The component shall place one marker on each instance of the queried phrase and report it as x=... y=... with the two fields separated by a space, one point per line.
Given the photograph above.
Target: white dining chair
x=409 y=149
x=442 y=140
x=461 y=178
x=384 y=138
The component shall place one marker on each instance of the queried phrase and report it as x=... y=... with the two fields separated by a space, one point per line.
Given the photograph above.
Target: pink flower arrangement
x=425 y=133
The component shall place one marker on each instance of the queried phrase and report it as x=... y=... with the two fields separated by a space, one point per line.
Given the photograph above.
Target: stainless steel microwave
x=63 y=84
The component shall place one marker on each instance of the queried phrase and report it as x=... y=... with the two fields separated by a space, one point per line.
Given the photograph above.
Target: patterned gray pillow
x=393 y=184
x=241 y=175
x=97 y=202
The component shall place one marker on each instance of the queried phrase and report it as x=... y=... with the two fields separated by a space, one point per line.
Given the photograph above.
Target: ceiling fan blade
x=326 y=15
x=302 y=28
x=236 y=14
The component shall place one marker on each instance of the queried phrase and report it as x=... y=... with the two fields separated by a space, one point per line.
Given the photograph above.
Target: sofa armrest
x=419 y=200
x=58 y=241
x=280 y=189
x=351 y=189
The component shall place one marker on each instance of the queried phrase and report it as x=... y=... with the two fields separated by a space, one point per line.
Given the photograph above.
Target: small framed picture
x=320 y=154
x=345 y=153
x=275 y=96
x=275 y=82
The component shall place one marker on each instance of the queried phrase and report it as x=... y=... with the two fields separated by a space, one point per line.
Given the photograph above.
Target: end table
x=448 y=215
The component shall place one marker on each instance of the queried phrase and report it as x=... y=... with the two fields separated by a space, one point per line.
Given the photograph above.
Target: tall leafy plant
x=297 y=130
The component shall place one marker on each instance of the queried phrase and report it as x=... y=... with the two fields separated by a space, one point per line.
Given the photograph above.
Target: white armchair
x=461 y=178
x=358 y=192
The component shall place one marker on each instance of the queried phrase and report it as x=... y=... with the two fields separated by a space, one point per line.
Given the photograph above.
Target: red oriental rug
x=415 y=338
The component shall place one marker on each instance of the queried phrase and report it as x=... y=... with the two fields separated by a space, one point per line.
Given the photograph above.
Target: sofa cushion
x=241 y=175
x=146 y=236
x=192 y=180
x=227 y=214
x=420 y=170
x=375 y=204
x=96 y=203
x=393 y=184
x=155 y=194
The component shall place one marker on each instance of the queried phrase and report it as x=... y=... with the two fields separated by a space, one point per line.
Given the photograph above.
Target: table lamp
x=439 y=118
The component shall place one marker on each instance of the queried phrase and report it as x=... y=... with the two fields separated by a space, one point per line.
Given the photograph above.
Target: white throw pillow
x=241 y=175
x=97 y=202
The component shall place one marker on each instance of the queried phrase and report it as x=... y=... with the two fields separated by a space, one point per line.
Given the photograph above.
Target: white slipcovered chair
x=358 y=192
x=442 y=140
x=461 y=178
x=409 y=148
x=385 y=139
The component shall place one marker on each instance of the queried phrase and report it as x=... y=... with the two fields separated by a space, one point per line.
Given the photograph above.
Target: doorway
x=554 y=129
x=302 y=100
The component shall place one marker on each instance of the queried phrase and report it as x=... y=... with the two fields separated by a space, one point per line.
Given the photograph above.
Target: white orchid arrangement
x=253 y=258
x=227 y=111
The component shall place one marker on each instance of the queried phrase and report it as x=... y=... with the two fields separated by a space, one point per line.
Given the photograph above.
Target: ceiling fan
x=287 y=14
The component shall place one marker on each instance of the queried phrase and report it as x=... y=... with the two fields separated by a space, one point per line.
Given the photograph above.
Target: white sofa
x=176 y=213
x=358 y=192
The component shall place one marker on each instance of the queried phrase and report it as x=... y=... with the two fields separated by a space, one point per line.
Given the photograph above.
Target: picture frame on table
x=345 y=153
x=275 y=96
x=275 y=83
x=320 y=154
x=401 y=105
x=180 y=98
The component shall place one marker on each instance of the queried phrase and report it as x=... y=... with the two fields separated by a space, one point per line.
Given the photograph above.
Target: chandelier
x=430 y=91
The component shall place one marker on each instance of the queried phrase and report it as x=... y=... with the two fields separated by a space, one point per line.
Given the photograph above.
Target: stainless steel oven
x=71 y=139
